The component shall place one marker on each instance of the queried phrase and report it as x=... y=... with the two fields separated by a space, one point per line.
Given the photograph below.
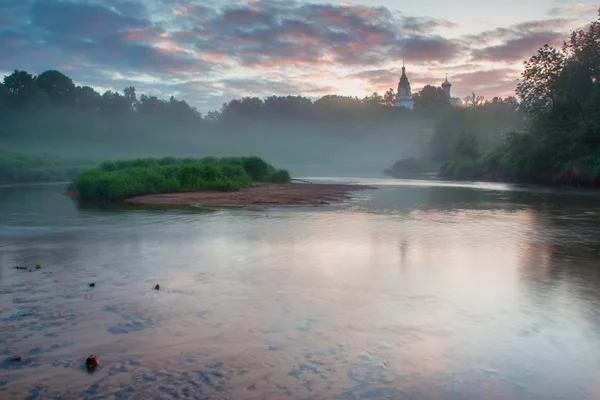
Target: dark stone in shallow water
x=92 y=285
x=157 y=287
x=92 y=363
x=16 y=359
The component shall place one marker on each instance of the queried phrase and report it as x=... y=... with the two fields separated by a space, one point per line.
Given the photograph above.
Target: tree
x=539 y=85
x=550 y=72
x=474 y=101
x=86 y=97
x=584 y=46
x=113 y=102
x=24 y=91
x=389 y=98
x=20 y=82
x=374 y=100
x=150 y=105
x=181 y=111
x=287 y=107
x=59 y=87
x=430 y=101
x=131 y=97
x=246 y=107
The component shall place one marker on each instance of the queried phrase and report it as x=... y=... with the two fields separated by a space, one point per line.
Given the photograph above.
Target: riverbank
x=262 y=195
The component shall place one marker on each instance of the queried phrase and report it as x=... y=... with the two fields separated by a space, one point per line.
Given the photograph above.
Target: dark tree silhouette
x=59 y=87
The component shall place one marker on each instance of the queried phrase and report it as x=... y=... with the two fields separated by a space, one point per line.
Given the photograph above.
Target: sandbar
x=260 y=195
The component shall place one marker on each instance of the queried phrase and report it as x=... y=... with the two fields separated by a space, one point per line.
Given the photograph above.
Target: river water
x=416 y=290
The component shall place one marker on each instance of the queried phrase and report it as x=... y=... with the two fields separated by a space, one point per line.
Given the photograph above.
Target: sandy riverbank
x=264 y=195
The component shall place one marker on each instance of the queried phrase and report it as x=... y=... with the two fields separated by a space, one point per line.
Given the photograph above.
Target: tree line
x=22 y=90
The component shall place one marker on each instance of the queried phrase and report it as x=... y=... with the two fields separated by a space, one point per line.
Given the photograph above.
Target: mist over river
x=420 y=289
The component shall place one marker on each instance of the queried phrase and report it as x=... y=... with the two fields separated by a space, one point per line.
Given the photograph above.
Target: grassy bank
x=31 y=168
x=115 y=181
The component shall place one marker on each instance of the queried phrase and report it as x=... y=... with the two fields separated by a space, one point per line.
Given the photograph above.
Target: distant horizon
x=208 y=55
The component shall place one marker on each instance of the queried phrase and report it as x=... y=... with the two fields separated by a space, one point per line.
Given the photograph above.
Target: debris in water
x=38 y=266
x=16 y=359
x=23 y=268
x=157 y=287
x=92 y=285
x=92 y=363
x=30 y=270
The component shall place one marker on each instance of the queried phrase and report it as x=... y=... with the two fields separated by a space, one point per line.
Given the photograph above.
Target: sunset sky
x=208 y=52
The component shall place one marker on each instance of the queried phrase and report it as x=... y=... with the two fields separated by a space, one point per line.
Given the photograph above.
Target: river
x=416 y=290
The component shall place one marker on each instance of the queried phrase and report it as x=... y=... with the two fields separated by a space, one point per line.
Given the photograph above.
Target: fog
x=304 y=148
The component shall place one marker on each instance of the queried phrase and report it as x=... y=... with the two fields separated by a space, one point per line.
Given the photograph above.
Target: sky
x=208 y=52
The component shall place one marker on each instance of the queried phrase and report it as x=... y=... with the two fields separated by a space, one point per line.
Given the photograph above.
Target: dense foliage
x=560 y=90
x=21 y=168
x=118 y=180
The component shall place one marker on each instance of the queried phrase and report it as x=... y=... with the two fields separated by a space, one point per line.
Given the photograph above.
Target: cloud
x=576 y=10
x=105 y=35
x=270 y=33
x=493 y=82
x=517 y=42
x=267 y=87
x=204 y=51
x=518 y=49
x=378 y=77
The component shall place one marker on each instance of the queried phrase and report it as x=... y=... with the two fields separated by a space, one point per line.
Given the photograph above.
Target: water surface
x=420 y=289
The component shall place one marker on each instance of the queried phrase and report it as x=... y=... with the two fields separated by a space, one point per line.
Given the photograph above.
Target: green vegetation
x=21 y=168
x=560 y=90
x=115 y=181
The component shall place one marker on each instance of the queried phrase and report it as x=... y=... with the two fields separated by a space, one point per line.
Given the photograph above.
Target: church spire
x=404 y=94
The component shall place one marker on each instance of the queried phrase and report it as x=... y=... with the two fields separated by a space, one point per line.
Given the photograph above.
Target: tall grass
x=21 y=168
x=118 y=180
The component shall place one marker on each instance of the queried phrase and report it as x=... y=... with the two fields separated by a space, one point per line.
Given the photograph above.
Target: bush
x=115 y=181
x=257 y=168
x=280 y=175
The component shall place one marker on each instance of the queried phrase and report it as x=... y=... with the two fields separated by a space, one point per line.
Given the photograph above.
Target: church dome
x=446 y=83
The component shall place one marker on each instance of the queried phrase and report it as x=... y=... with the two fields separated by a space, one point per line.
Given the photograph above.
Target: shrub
x=256 y=167
x=280 y=175
x=115 y=181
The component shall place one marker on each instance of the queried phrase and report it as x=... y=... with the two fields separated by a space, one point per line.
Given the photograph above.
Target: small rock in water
x=157 y=287
x=92 y=362
x=92 y=285
x=16 y=359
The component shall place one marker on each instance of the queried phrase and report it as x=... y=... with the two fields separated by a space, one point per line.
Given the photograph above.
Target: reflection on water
x=420 y=289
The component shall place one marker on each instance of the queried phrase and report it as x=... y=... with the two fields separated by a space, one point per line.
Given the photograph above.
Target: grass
x=21 y=168
x=119 y=180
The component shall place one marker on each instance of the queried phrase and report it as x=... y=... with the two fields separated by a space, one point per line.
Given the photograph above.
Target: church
x=404 y=96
